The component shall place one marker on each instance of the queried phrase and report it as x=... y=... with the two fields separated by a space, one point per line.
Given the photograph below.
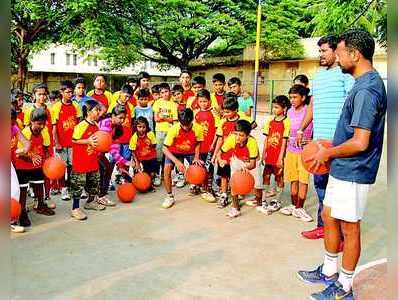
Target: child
x=132 y=82
x=155 y=92
x=276 y=131
x=182 y=143
x=66 y=115
x=178 y=96
x=208 y=119
x=165 y=112
x=245 y=104
x=17 y=102
x=143 y=82
x=85 y=162
x=294 y=170
x=80 y=92
x=29 y=164
x=239 y=151
x=143 y=109
x=17 y=136
x=53 y=97
x=219 y=92
x=143 y=145
x=100 y=93
x=185 y=80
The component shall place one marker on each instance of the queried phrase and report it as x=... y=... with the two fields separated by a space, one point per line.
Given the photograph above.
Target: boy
x=245 y=104
x=182 y=142
x=66 y=114
x=143 y=109
x=132 y=82
x=100 y=93
x=80 y=92
x=155 y=93
x=239 y=151
x=198 y=83
x=17 y=103
x=29 y=164
x=165 y=112
x=218 y=87
x=178 y=96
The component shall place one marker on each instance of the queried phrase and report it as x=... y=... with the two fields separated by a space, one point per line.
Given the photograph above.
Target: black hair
x=13 y=113
x=141 y=120
x=118 y=109
x=234 y=80
x=185 y=116
x=186 y=72
x=38 y=114
x=131 y=79
x=302 y=78
x=142 y=75
x=66 y=84
x=199 y=80
x=127 y=89
x=301 y=90
x=38 y=86
x=282 y=100
x=219 y=77
x=331 y=40
x=359 y=39
x=117 y=131
x=155 y=89
x=54 y=94
x=243 y=126
x=164 y=86
x=204 y=93
x=88 y=106
x=178 y=88
x=100 y=75
x=79 y=80
x=14 y=97
x=144 y=93
x=230 y=101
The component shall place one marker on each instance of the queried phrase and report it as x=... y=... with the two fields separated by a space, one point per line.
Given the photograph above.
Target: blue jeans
x=320 y=183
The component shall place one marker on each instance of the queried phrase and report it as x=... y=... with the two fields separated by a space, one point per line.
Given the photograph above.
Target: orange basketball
x=195 y=174
x=142 y=181
x=54 y=168
x=104 y=141
x=309 y=151
x=15 y=209
x=242 y=183
x=126 y=192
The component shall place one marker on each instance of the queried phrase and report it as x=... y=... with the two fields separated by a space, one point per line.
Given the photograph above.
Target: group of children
x=159 y=130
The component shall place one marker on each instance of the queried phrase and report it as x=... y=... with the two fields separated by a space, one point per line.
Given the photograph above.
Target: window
x=74 y=59
x=67 y=59
x=95 y=61
x=52 y=55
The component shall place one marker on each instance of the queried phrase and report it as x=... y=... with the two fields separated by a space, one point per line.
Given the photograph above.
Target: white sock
x=330 y=264
x=345 y=278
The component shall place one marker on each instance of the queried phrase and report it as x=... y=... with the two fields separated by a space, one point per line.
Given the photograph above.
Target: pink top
x=106 y=125
x=14 y=130
x=296 y=117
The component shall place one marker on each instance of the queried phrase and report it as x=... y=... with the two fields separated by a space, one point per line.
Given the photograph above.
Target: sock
x=330 y=264
x=76 y=203
x=345 y=278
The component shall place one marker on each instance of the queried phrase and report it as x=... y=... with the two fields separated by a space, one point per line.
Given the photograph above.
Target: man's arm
x=306 y=121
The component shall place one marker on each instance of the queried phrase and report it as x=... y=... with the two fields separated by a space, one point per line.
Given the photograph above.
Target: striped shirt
x=329 y=89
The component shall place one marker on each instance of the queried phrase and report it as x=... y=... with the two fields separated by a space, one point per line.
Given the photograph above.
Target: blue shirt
x=245 y=104
x=329 y=90
x=82 y=100
x=365 y=107
x=146 y=112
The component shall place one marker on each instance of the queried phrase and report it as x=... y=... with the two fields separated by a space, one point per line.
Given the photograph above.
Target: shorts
x=160 y=137
x=181 y=158
x=224 y=171
x=294 y=169
x=347 y=200
x=150 y=166
x=34 y=176
x=206 y=158
x=66 y=155
x=89 y=181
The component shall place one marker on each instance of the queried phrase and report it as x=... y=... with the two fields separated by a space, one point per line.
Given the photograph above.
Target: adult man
x=330 y=88
x=358 y=143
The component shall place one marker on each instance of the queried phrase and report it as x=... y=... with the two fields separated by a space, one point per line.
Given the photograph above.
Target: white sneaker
x=83 y=196
x=157 y=181
x=31 y=194
x=180 y=181
x=168 y=201
x=233 y=213
x=274 y=206
x=16 y=228
x=302 y=214
x=208 y=197
x=78 y=214
x=65 y=194
x=287 y=210
x=263 y=209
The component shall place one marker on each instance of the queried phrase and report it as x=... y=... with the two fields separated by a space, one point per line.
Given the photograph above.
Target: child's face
x=99 y=83
x=41 y=96
x=118 y=119
x=19 y=102
x=241 y=137
x=218 y=87
x=141 y=129
x=185 y=79
x=95 y=113
x=67 y=94
x=79 y=89
x=143 y=101
x=53 y=100
x=133 y=85
x=229 y=114
x=204 y=103
x=124 y=97
x=155 y=96
x=277 y=110
x=296 y=100
x=144 y=83
x=178 y=96
x=165 y=94
x=197 y=87
x=235 y=88
x=37 y=126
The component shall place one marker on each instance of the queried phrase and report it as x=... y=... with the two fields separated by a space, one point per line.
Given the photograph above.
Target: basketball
x=104 y=141
x=142 y=181
x=242 y=183
x=15 y=209
x=195 y=174
x=54 y=168
x=126 y=192
x=309 y=151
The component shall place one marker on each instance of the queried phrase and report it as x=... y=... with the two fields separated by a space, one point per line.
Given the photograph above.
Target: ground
x=190 y=251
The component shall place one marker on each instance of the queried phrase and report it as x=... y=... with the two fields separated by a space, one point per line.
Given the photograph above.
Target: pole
x=257 y=58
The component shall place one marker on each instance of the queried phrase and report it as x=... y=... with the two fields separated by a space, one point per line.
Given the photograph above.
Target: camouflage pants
x=89 y=181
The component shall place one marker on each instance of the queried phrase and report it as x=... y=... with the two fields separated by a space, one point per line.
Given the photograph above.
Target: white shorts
x=237 y=164
x=347 y=200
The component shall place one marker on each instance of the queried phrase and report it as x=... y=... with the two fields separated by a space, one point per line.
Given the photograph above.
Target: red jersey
x=208 y=122
x=181 y=141
x=144 y=147
x=275 y=132
x=66 y=117
x=84 y=157
x=101 y=98
x=20 y=119
x=181 y=106
x=220 y=99
x=127 y=126
x=187 y=94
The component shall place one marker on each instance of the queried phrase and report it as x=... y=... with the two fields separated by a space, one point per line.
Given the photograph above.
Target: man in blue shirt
x=355 y=159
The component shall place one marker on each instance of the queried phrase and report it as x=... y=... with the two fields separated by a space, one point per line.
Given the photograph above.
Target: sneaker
x=112 y=187
x=54 y=192
x=24 y=219
x=332 y=292
x=208 y=197
x=287 y=210
x=194 y=190
x=94 y=205
x=233 y=213
x=168 y=201
x=223 y=200
x=31 y=194
x=65 y=194
x=302 y=214
x=314 y=234
x=157 y=181
x=78 y=214
x=316 y=276
x=84 y=196
x=180 y=181
x=45 y=210
x=104 y=200
x=17 y=228
x=274 y=206
x=263 y=208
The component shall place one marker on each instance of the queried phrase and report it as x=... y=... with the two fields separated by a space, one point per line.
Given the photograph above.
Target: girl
x=294 y=170
x=85 y=161
x=143 y=145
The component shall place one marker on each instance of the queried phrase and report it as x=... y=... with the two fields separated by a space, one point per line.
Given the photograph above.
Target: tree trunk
x=22 y=71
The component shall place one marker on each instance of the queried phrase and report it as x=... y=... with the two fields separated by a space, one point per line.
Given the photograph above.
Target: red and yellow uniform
x=275 y=131
x=181 y=141
x=106 y=98
x=14 y=142
x=84 y=157
x=38 y=143
x=65 y=117
x=165 y=109
x=209 y=121
x=193 y=103
x=20 y=119
x=127 y=124
x=144 y=147
x=187 y=94
x=245 y=152
x=217 y=98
